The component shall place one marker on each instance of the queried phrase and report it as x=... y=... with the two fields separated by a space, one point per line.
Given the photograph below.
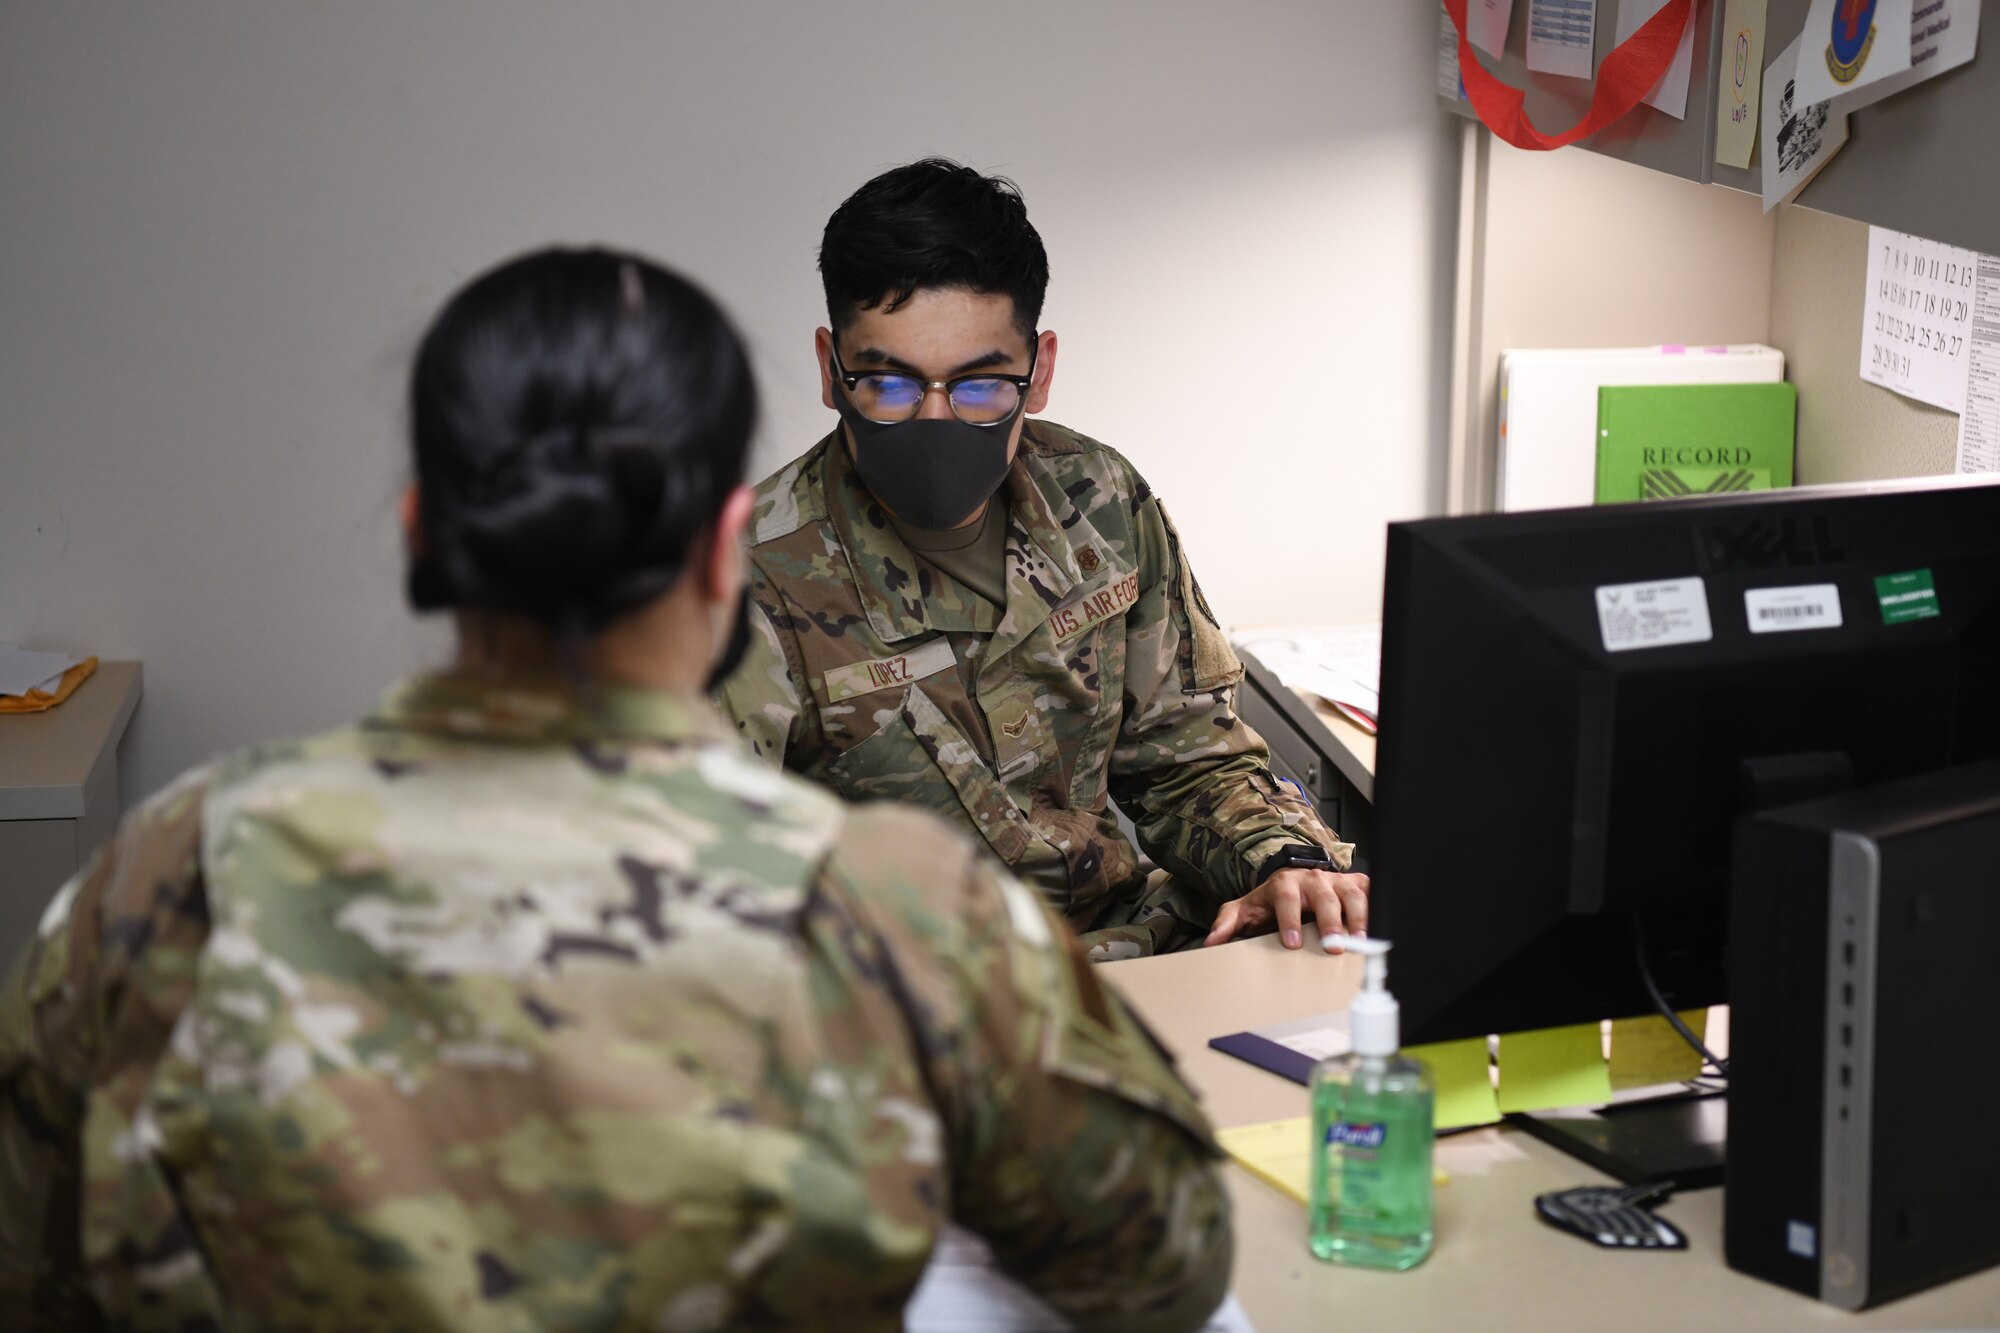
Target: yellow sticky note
x=1279 y=1153
x=1645 y=1051
x=1464 y=1082
x=1553 y=1067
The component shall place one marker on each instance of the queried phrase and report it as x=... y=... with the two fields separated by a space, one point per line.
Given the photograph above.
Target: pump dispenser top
x=1374 y=1016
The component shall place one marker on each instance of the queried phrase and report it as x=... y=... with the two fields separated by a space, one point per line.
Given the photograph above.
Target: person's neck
x=664 y=645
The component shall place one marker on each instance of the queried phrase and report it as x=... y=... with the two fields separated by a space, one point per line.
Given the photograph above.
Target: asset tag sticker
x=1653 y=615
x=1782 y=610
x=1908 y=596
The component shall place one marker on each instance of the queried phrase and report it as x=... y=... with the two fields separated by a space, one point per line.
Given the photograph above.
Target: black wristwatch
x=1295 y=856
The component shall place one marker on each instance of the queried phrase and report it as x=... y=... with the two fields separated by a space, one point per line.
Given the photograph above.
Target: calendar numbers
x=1919 y=305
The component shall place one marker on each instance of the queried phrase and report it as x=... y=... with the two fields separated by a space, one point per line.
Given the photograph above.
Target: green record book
x=1657 y=441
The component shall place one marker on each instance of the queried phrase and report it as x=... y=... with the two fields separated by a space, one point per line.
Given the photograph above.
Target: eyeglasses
x=886 y=397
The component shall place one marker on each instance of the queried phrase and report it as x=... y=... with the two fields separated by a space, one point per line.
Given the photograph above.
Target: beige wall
x=224 y=223
x=1580 y=250
x=1569 y=249
x=1849 y=429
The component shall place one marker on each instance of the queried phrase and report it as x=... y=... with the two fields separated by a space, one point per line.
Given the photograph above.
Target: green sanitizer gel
x=1372 y=1131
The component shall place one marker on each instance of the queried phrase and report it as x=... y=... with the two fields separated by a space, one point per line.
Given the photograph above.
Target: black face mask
x=732 y=652
x=931 y=473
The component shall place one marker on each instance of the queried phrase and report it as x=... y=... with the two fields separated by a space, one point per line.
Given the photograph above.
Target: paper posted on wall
x=1486 y=24
x=1448 y=83
x=1562 y=37
x=1736 y=88
x=1979 y=418
x=1849 y=44
x=1797 y=138
x=1916 y=317
x=1670 y=94
x=1944 y=34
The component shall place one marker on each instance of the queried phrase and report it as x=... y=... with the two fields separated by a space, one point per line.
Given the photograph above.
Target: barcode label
x=1805 y=606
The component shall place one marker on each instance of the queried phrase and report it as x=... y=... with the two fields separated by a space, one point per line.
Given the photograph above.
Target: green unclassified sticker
x=1908 y=596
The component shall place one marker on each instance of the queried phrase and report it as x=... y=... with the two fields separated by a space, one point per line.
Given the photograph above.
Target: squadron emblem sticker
x=1853 y=39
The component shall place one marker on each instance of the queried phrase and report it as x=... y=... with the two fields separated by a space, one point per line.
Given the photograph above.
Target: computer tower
x=1864 y=975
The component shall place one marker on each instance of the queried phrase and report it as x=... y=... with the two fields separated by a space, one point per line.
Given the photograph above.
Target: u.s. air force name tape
x=858 y=678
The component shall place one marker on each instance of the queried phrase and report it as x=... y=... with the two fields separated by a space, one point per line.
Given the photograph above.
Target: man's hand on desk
x=1336 y=902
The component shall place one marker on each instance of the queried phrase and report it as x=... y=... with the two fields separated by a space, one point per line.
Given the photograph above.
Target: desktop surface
x=1495 y=1266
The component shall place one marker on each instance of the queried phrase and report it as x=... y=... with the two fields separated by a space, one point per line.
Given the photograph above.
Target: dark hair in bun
x=578 y=418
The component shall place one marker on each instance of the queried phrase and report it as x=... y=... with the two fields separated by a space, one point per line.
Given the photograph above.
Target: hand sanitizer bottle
x=1372 y=1131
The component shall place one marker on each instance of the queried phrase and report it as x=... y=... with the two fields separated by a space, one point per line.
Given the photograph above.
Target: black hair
x=578 y=418
x=932 y=223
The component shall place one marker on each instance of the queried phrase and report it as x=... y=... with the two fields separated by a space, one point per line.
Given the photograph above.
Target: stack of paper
x=1341 y=665
x=21 y=670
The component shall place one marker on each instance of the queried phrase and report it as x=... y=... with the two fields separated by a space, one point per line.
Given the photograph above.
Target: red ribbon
x=1623 y=80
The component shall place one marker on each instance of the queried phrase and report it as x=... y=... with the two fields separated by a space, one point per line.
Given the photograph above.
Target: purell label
x=1345 y=1135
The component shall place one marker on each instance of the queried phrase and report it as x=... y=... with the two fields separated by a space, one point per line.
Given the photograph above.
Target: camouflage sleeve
x=1073 y=1147
x=83 y=1016
x=1195 y=779
x=767 y=697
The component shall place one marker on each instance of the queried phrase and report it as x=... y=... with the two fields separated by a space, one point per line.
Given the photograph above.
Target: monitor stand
x=1675 y=1138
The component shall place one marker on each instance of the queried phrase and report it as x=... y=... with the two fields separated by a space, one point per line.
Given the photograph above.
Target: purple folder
x=1267 y=1054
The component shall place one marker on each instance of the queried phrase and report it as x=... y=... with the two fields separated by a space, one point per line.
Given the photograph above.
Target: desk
x=1495 y=1266
x=58 y=793
x=1315 y=746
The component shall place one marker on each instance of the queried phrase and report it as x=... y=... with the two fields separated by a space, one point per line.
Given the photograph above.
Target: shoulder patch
x=1210 y=663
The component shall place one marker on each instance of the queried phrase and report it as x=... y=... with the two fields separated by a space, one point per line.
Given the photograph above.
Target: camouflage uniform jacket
x=499 y=1013
x=1103 y=678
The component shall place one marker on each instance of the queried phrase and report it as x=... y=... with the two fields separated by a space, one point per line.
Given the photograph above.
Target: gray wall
x=222 y=226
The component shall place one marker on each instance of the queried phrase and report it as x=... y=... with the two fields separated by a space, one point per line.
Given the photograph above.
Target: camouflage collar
x=884 y=570
x=1035 y=498
x=538 y=709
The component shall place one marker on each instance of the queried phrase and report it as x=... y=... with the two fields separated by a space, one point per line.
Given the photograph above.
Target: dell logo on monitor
x=1771 y=543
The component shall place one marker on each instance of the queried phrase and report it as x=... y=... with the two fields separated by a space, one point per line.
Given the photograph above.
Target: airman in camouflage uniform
x=504 y=1011
x=1104 y=678
x=990 y=617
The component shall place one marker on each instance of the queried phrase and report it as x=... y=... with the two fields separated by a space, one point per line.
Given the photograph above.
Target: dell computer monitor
x=1578 y=704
